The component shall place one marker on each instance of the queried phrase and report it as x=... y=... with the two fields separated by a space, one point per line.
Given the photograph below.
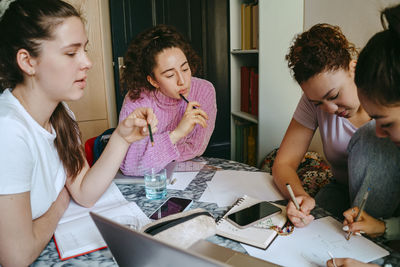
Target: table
x=136 y=193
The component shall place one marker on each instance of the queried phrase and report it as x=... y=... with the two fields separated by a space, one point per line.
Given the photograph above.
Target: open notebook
x=258 y=235
x=76 y=234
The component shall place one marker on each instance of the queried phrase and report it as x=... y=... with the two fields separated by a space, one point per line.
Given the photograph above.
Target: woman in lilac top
x=322 y=62
x=159 y=65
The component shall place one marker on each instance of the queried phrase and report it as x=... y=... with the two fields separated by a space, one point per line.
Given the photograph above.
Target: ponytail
x=68 y=141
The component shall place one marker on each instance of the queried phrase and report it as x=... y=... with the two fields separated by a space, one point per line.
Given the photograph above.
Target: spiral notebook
x=258 y=235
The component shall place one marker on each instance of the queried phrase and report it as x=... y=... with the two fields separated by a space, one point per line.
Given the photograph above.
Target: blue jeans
x=374 y=163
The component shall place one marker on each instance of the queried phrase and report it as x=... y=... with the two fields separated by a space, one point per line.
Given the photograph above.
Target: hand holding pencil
x=193 y=115
x=136 y=125
x=357 y=213
x=299 y=208
x=365 y=223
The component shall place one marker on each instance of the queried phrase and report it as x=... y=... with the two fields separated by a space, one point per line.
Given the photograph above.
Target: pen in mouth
x=184 y=99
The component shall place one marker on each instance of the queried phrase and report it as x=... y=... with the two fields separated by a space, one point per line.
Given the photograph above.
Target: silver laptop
x=132 y=248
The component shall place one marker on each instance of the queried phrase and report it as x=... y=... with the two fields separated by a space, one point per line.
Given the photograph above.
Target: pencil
x=184 y=99
x=333 y=259
x=289 y=188
x=151 y=135
x=359 y=211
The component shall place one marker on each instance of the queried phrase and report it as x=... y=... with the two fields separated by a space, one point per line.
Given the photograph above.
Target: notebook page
x=309 y=246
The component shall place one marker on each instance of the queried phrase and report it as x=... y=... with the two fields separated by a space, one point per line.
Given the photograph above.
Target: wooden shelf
x=245 y=116
x=240 y=51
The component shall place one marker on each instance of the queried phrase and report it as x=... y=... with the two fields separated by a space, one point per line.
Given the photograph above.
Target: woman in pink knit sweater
x=159 y=65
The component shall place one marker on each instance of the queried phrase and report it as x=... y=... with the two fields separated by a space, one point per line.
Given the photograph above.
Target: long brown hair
x=24 y=24
x=140 y=59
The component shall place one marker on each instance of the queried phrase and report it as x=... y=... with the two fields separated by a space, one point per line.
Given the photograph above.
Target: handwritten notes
x=308 y=246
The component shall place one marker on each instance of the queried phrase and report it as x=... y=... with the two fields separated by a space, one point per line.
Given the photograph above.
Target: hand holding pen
x=359 y=212
x=193 y=115
x=298 y=216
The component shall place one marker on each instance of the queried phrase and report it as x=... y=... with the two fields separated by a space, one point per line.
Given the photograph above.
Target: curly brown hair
x=140 y=59
x=322 y=48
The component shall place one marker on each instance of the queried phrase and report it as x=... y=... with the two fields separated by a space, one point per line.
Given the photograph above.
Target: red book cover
x=254 y=94
x=244 y=88
x=253 y=91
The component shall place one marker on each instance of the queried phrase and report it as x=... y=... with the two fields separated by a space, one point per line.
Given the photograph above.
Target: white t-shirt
x=28 y=157
x=335 y=131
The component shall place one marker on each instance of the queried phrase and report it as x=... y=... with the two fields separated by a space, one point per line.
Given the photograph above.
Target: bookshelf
x=278 y=93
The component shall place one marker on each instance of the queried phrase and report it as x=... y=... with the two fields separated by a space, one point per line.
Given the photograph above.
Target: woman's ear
x=153 y=82
x=26 y=62
x=352 y=66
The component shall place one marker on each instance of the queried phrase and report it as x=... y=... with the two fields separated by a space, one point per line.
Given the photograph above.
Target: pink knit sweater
x=141 y=155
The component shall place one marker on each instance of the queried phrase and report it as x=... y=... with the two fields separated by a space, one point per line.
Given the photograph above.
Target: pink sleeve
x=306 y=113
x=195 y=143
x=142 y=155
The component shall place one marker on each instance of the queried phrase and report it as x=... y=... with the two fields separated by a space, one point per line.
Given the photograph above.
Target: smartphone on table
x=253 y=214
x=171 y=206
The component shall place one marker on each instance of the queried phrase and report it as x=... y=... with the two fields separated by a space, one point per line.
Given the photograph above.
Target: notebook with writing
x=258 y=235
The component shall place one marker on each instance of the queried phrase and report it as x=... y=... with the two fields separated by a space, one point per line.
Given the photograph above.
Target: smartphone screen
x=254 y=213
x=171 y=206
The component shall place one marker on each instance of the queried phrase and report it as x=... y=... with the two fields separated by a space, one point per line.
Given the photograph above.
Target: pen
x=333 y=259
x=289 y=188
x=151 y=135
x=184 y=99
x=359 y=211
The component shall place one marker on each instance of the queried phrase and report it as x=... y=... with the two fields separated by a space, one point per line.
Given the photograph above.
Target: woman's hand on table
x=348 y=262
x=302 y=217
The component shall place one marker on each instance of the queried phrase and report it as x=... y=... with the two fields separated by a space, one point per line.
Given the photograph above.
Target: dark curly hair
x=322 y=48
x=377 y=73
x=140 y=58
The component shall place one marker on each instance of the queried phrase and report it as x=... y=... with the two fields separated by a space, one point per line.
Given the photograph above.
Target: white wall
x=278 y=92
x=358 y=19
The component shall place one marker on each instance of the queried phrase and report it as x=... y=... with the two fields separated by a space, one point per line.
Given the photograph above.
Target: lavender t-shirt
x=336 y=133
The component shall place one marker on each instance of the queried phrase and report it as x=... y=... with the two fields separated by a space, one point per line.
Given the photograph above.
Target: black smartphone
x=253 y=214
x=171 y=206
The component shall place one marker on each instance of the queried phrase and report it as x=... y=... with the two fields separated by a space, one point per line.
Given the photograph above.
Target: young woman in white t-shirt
x=43 y=62
x=322 y=61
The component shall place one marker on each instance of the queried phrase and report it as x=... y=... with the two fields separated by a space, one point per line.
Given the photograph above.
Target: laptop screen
x=132 y=248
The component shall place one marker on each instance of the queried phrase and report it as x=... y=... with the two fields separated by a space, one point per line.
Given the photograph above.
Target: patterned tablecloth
x=136 y=193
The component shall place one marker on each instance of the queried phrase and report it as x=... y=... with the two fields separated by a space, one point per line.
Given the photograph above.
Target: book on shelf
x=245 y=141
x=249 y=25
x=244 y=88
x=258 y=235
x=253 y=91
x=76 y=234
x=249 y=90
x=254 y=11
x=251 y=146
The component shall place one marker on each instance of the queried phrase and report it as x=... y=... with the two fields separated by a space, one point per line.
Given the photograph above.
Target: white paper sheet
x=227 y=186
x=309 y=246
x=181 y=180
x=207 y=196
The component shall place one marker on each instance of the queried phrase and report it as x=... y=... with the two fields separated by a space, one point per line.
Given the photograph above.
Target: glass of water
x=155 y=184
